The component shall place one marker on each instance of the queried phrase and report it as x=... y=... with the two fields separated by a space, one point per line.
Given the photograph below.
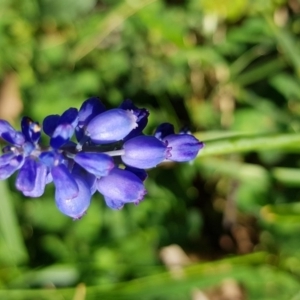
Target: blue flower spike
x=111 y=155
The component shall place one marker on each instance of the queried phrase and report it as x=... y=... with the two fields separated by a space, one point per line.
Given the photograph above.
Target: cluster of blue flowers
x=110 y=156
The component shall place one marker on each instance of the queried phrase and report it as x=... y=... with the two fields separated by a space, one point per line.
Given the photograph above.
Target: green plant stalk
x=244 y=171
x=239 y=144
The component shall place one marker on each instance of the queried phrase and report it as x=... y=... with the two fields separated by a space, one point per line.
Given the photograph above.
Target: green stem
x=237 y=144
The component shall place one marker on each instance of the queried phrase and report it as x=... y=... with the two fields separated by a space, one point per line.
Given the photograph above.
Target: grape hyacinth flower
x=110 y=155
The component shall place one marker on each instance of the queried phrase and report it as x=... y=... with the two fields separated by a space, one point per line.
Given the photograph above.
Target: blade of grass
x=264 y=105
x=262 y=71
x=108 y=24
x=287 y=43
x=245 y=59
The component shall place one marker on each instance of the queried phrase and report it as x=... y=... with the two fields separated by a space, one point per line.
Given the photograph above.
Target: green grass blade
x=262 y=71
x=107 y=25
x=288 y=45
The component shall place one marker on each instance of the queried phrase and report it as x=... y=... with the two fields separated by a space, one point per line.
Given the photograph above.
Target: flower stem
x=247 y=143
x=115 y=152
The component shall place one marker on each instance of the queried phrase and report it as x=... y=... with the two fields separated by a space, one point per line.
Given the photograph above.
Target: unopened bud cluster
x=110 y=155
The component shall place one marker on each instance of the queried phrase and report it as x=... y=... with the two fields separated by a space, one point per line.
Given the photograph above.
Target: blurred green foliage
x=230 y=70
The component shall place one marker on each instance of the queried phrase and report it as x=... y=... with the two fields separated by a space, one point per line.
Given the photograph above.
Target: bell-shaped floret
x=142 y=118
x=50 y=123
x=9 y=163
x=144 y=152
x=111 y=126
x=31 y=179
x=164 y=130
x=89 y=109
x=75 y=207
x=61 y=135
x=70 y=116
x=61 y=128
x=31 y=130
x=185 y=147
x=10 y=135
x=65 y=185
x=120 y=187
x=98 y=164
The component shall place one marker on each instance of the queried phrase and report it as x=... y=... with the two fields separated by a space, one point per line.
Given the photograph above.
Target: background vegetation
x=227 y=225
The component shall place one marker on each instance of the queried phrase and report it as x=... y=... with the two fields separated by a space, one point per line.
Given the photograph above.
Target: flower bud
x=144 y=152
x=111 y=126
x=142 y=118
x=120 y=187
x=31 y=130
x=50 y=123
x=10 y=135
x=65 y=185
x=31 y=179
x=185 y=147
x=164 y=130
x=89 y=109
x=75 y=207
x=61 y=135
x=70 y=116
